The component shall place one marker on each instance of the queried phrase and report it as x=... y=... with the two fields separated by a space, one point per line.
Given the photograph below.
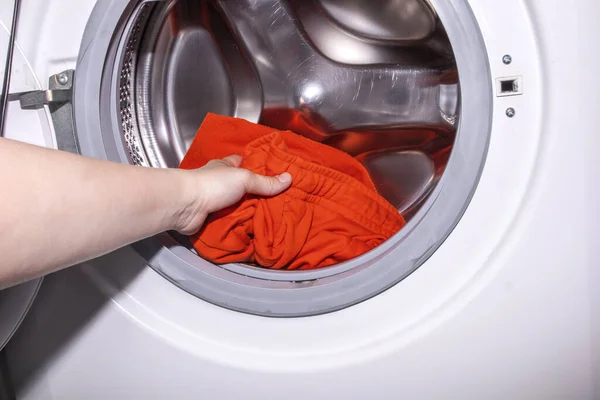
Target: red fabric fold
x=332 y=212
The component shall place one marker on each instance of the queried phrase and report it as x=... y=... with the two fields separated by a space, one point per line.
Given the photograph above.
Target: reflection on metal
x=388 y=20
x=448 y=102
x=183 y=72
x=273 y=62
x=342 y=46
x=286 y=63
x=404 y=178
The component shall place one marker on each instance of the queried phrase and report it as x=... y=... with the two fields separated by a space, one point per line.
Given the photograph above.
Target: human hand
x=220 y=184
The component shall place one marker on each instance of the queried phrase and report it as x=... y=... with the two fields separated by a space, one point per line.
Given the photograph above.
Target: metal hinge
x=58 y=98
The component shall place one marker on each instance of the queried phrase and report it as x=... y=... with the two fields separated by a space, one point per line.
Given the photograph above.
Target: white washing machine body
x=506 y=307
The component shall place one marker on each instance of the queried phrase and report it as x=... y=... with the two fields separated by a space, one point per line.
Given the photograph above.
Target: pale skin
x=59 y=209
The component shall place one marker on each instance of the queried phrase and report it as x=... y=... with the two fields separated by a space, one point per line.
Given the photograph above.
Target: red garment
x=330 y=214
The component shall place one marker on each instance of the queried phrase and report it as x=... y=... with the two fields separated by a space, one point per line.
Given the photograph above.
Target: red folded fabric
x=330 y=214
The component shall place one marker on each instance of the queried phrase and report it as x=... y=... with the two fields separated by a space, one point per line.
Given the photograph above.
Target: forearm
x=60 y=209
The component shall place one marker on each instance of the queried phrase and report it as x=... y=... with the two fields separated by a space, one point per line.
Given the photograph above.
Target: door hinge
x=58 y=97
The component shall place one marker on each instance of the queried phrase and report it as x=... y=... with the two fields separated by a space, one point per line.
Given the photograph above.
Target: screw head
x=507 y=59
x=510 y=112
x=62 y=78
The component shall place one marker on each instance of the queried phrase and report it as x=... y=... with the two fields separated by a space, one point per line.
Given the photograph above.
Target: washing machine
x=474 y=118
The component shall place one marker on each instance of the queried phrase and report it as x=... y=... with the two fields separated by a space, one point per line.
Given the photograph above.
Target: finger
x=267 y=185
x=233 y=160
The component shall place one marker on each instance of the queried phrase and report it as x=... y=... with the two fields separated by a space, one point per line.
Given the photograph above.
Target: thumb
x=268 y=185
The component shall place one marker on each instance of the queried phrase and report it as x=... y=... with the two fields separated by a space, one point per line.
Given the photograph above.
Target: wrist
x=190 y=210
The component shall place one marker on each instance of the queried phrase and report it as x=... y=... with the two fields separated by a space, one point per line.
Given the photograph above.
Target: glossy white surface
x=506 y=308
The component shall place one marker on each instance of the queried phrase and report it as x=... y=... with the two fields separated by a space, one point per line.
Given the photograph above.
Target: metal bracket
x=58 y=98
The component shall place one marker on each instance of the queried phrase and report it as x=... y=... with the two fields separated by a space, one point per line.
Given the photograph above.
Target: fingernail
x=285 y=177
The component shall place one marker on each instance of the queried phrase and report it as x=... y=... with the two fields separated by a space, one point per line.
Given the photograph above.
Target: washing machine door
x=411 y=101
x=15 y=301
x=14 y=305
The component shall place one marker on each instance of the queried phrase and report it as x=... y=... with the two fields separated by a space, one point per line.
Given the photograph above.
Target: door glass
x=6 y=16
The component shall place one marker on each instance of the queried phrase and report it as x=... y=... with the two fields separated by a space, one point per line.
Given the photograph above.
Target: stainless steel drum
x=403 y=85
x=386 y=92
